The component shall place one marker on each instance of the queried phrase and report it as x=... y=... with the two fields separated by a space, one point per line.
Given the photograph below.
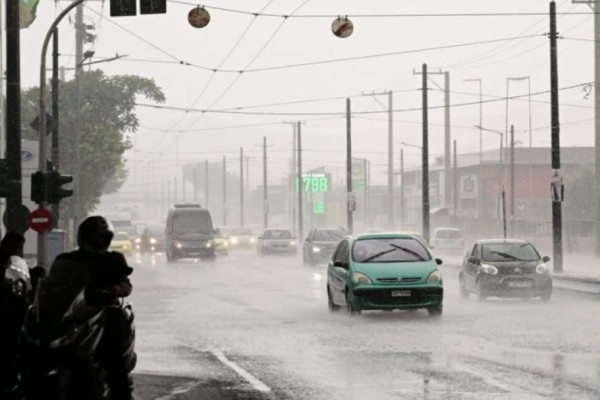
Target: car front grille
x=399 y=280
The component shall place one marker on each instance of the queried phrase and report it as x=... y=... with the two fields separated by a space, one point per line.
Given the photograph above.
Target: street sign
x=557 y=189
x=40 y=220
x=18 y=219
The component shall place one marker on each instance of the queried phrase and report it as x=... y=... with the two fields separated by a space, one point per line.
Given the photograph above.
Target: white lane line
x=251 y=379
x=178 y=391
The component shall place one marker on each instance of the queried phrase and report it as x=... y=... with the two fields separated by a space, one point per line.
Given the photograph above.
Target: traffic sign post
x=40 y=220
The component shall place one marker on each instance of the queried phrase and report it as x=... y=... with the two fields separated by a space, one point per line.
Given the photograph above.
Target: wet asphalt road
x=245 y=327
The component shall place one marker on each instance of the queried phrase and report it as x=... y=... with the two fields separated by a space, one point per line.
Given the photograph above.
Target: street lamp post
x=480 y=181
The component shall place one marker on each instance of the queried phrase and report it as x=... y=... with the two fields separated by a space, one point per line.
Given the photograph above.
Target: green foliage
x=107 y=116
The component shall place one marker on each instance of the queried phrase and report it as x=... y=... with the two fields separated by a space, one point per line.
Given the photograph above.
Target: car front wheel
x=332 y=306
x=435 y=311
x=350 y=308
x=546 y=296
x=464 y=292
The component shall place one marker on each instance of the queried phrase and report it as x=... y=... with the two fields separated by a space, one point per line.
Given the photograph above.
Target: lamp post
x=480 y=181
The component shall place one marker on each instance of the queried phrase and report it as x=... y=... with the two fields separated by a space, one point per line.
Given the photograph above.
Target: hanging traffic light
x=55 y=190
x=123 y=8
x=38 y=187
x=153 y=6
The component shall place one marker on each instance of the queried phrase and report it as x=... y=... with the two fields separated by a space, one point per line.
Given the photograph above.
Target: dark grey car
x=505 y=268
x=320 y=244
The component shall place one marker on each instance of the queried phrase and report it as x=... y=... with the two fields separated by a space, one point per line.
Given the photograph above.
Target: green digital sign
x=315 y=183
x=319 y=207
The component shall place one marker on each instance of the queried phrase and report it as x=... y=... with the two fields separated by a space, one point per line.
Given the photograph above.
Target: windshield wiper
x=374 y=256
x=506 y=255
x=409 y=251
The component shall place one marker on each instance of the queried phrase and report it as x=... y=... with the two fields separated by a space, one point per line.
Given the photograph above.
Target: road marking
x=179 y=390
x=251 y=379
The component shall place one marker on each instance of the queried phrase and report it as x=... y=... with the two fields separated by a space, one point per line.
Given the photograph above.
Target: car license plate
x=401 y=293
x=519 y=284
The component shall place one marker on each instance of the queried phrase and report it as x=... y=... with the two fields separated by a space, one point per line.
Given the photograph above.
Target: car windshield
x=277 y=234
x=242 y=232
x=387 y=250
x=449 y=234
x=192 y=222
x=329 y=235
x=509 y=252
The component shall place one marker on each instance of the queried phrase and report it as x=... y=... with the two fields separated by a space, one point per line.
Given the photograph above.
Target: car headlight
x=316 y=249
x=435 y=277
x=153 y=241
x=234 y=240
x=292 y=243
x=541 y=269
x=362 y=279
x=252 y=240
x=225 y=244
x=489 y=269
x=177 y=244
x=138 y=240
x=210 y=244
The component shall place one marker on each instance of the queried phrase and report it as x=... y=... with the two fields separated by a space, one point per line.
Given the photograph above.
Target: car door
x=337 y=275
x=472 y=269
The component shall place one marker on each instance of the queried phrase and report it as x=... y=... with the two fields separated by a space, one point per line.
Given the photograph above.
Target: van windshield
x=192 y=222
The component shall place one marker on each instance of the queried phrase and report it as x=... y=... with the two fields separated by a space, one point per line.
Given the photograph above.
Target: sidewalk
x=580 y=272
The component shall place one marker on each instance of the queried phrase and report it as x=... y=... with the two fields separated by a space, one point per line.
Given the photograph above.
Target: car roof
x=494 y=241
x=447 y=229
x=384 y=235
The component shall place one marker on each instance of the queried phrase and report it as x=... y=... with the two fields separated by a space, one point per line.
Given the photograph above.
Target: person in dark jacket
x=103 y=278
x=12 y=313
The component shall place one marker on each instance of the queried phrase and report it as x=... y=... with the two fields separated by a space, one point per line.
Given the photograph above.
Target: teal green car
x=384 y=271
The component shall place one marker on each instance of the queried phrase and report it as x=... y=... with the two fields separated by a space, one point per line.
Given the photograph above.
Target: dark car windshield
x=192 y=222
x=509 y=252
x=389 y=250
x=329 y=235
x=449 y=234
x=277 y=234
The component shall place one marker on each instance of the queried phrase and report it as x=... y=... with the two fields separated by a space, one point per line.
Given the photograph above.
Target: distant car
x=277 y=241
x=121 y=243
x=505 y=268
x=384 y=271
x=221 y=242
x=320 y=244
x=151 y=239
x=448 y=241
x=189 y=233
x=242 y=237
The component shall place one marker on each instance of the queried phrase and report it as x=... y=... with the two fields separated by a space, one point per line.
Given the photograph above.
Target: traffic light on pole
x=55 y=190
x=38 y=187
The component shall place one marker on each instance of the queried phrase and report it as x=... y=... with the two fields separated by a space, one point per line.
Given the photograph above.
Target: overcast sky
x=272 y=41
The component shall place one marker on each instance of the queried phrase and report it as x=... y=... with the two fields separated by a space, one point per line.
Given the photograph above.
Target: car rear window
x=385 y=250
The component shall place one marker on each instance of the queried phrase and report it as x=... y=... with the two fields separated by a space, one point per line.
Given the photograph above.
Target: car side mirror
x=545 y=259
x=474 y=260
x=439 y=261
x=340 y=264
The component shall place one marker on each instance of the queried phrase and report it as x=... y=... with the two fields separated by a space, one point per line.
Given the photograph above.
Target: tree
x=107 y=116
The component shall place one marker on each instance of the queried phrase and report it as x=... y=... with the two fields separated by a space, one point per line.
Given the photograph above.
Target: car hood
x=377 y=271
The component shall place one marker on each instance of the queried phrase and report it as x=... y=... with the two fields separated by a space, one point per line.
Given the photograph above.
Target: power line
x=241 y=112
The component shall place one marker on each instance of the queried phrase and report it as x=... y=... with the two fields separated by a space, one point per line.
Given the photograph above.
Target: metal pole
x=294 y=177
x=265 y=189
x=425 y=158
x=79 y=27
x=300 y=183
x=206 y=183
x=512 y=180
x=55 y=119
x=224 y=190
x=506 y=112
x=447 y=137
x=455 y=184
x=365 y=194
x=13 y=114
x=391 y=159
x=503 y=212
x=195 y=172
x=402 y=196
x=183 y=186
x=530 y=205
x=242 y=187
x=349 y=216
x=556 y=205
x=597 y=126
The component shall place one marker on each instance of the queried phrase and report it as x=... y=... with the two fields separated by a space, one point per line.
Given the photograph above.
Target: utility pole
x=79 y=38
x=391 y=159
x=55 y=119
x=365 y=194
x=349 y=197
x=206 y=183
x=512 y=180
x=13 y=115
x=293 y=177
x=402 y=196
x=503 y=200
x=265 y=189
x=447 y=133
x=455 y=184
x=195 y=172
x=241 y=187
x=300 y=183
x=425 y=158
x=224 y=190
x=597 y=117
x=555 y=123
